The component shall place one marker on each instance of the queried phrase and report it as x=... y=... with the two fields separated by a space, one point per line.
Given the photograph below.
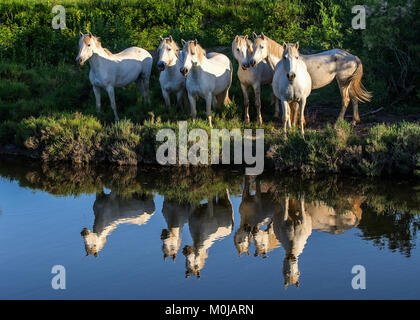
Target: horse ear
x=170 y=39
x=246 y=37
x=262 y=35
x=183 y=42
x=160 y=38
x=284 y=45
x=195 y=41
x=297 y=45
x=236 y=38
x=254 y=35
x=90 y=34
x=81 y=34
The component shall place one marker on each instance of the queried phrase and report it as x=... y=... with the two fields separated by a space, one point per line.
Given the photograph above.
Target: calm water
x=204 y=234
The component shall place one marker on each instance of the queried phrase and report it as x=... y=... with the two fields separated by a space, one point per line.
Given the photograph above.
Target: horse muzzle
x=291 y=76
x=184 y=71
x=245 y=66
x=161 y=65
x=79 y=61
x=252 y=62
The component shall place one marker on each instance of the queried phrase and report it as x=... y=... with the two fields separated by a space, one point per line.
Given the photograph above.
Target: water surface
x=156 y=233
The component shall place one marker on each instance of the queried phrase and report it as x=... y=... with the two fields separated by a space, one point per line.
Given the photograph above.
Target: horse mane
x=274 y=48
x=173 y=44
x=99 y=44
x=250 y=46
x=201 y=52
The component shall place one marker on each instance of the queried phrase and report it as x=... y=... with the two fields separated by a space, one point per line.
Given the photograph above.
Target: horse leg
x=286 y=114
x=97 y=92
x=167 y=98
x=143 y=85
x=179 y=97
x=209 y=102
x=111 y=95
x=345 y=99
x=356 y=117
x=192 y=101
x=285 y=214
x=276 y=108
x=246 y=102
x=185 y=99
x=257 y=91
x=214 y=101
x=302 y=105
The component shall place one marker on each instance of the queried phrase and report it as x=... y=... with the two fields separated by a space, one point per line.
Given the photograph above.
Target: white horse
x=208 y=222
x=169 y=64
x=292 y=226
x=112 y=210
x=256 y=211
x=175 y=215
x=209 y=78
x=254 y=77
x=109 y=71
x=292 y=83
x=323 y=67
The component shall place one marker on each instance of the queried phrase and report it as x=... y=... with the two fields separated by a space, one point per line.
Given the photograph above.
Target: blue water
x=39 y=230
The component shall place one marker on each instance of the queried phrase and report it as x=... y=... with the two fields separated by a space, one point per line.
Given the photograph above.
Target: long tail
x=357 y=90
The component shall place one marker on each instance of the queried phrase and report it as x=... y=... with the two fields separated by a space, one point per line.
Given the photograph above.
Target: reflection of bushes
x=193 y=185
x=393 y=230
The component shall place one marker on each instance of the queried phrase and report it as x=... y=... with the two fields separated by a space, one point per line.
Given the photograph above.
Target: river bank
x=76 y=138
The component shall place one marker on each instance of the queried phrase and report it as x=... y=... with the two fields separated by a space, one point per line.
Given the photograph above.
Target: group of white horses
x=192 y=73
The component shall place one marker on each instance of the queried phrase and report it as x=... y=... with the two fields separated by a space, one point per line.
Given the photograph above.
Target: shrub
x=392 y=149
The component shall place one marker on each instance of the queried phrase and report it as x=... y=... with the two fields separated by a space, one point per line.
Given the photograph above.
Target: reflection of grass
x=193 y=185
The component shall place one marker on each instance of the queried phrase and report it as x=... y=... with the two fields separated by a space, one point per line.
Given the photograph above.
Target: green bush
x=392 y=149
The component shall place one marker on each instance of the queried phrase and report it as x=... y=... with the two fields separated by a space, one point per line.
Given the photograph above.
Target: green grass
x=79 y=138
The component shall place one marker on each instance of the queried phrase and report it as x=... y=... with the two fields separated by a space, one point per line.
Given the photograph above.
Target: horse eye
x=237 y=49
x=88 y=45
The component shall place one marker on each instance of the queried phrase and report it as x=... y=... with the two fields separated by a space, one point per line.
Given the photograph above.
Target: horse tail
x=227 y=100
x=355 y=85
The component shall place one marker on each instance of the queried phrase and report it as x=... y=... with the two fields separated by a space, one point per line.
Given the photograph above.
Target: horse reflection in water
x=176 y=215
x=112 y=210
x=256 y=211
x=208 y=222
x=336 y=221
x=293 y=226
x=294 y=221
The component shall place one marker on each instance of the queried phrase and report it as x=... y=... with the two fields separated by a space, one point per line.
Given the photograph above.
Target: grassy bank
x=393 y=149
